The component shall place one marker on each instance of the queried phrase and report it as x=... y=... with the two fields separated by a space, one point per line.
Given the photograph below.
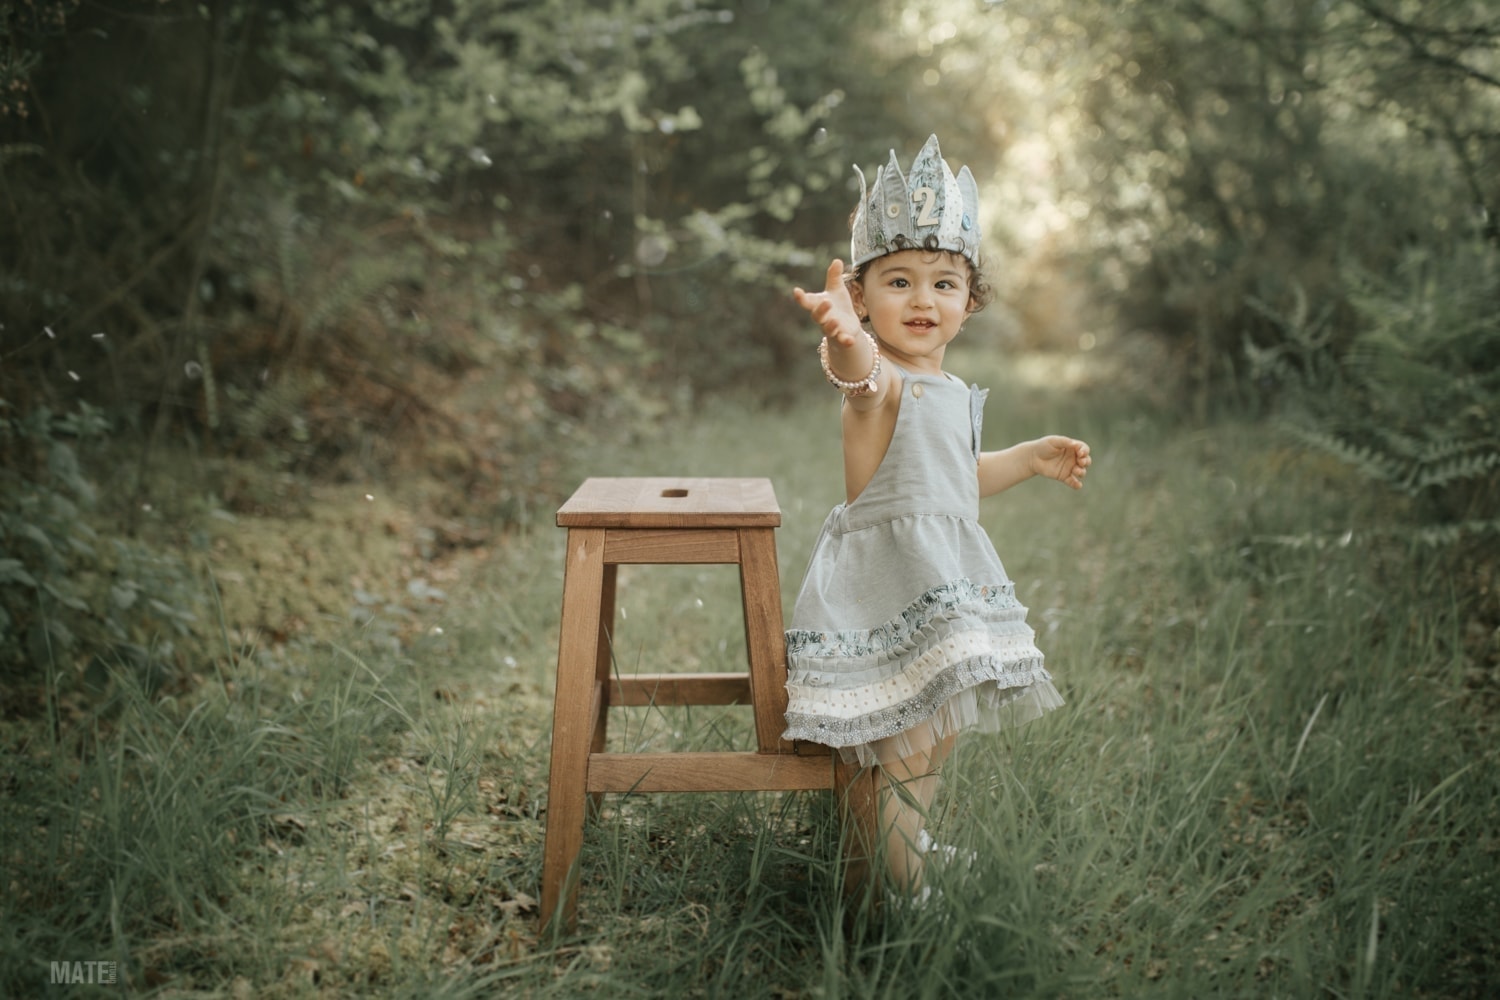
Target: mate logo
x=84 y=973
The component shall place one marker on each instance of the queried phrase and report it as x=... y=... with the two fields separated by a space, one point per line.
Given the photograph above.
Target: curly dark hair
x=980 y=292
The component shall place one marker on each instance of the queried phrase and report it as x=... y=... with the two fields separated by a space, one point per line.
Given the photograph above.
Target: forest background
x=255 y=256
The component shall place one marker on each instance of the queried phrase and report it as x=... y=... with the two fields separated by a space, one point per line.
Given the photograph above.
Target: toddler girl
x=907 y=630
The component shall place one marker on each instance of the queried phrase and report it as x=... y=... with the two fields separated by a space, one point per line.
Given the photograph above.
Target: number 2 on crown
x=926 y=197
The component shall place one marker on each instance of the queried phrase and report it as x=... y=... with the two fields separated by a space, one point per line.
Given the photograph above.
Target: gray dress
x=907 y=629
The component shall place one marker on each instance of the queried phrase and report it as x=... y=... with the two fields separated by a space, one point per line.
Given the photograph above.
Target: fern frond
x=1362 y=458
x=1469 y=467
x=1425 y=451
x=1414 y=403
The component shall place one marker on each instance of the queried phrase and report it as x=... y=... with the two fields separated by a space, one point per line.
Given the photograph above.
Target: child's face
x=916 y=300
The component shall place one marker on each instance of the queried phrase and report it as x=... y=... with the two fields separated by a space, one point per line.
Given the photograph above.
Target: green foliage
x=76 y=601
x=1413 y=401
x=158 y=824
x=674 y=159
x=330 y=189
x=1211 y=152
x=293 y=245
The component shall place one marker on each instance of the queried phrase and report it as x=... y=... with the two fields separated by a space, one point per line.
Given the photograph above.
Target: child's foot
x=925 y=895
x=949 y=853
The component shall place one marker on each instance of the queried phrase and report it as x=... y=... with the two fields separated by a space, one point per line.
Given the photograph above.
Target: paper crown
x=900 y=211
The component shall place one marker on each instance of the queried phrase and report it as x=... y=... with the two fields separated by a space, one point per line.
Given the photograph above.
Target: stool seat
x=615 y=521
x=671 y=503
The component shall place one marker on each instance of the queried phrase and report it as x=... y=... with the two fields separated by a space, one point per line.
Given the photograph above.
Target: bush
x=1208 y=153
x=74 y=601
x=1413 y=402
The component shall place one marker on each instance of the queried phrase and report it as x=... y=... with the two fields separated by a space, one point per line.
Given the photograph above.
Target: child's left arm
x=1056 y=457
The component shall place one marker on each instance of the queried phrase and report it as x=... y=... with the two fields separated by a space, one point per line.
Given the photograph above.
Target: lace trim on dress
x=939 y=602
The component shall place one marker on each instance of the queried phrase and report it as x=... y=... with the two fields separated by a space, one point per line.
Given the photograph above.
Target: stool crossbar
x=613 y=522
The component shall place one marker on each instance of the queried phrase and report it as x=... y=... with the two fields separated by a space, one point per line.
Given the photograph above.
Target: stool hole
x=674 y=493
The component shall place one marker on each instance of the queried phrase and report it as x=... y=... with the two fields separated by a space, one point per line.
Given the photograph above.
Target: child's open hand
x=1061 y=458
x=832 y=308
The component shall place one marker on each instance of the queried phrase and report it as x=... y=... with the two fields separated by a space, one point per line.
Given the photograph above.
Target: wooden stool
x=663 y=521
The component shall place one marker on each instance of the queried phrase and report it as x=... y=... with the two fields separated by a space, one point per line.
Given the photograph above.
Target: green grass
x=1272 y=777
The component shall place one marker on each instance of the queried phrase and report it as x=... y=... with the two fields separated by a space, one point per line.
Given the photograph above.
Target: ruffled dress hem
x=959 y=657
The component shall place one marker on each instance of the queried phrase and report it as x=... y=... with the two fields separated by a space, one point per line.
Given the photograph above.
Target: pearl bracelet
x=864 y=386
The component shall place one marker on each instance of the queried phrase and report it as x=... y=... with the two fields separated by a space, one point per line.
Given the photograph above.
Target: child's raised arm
x=1056 y=457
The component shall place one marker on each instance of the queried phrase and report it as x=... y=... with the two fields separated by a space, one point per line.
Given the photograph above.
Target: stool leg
x=576 y=704
x=603 y=665
x=765 y=638
x=859 y=820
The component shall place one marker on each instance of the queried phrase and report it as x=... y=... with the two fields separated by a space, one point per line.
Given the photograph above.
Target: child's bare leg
x=905 y=795
x=905 y=789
